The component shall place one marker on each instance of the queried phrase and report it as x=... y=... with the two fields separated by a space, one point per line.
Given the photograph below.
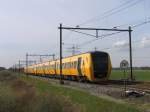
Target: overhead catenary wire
x=113 y=11
x=133 y=26
x=83 y=33
x=140 y=24
x=108 y=15
x=100 y=37
x=109 y=48
x=120 y=10
x=132 y=4
x=105 y=35
x=92 y=19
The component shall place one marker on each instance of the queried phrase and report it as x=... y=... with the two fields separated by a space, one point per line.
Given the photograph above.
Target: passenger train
x=91 y=66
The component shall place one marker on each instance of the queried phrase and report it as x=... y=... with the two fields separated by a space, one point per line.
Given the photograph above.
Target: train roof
x=86 y=53
x=72 y=56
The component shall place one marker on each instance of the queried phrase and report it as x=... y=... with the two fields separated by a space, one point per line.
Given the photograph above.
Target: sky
x=31 y=26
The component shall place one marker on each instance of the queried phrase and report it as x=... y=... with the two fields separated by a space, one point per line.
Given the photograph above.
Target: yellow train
x=90 y=66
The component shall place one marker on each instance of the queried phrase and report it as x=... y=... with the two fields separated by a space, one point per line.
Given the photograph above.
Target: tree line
x=134 y=68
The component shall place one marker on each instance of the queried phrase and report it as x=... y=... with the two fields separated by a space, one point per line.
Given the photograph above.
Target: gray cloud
x=145 y=42
x=121 y=45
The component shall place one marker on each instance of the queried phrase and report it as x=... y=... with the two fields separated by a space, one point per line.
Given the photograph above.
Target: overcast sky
x=32 y=26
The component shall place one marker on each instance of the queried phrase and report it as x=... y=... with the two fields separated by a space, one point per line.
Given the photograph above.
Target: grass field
x=17 y=95
x=139 y=75
x=39 y=94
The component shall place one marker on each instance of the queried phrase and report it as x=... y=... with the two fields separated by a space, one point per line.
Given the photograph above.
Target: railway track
x=113 y=88
x=134 y=85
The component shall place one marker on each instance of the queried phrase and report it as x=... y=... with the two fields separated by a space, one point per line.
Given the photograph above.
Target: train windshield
x=100 y=64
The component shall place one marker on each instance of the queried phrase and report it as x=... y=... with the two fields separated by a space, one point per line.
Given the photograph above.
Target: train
x=90 y=66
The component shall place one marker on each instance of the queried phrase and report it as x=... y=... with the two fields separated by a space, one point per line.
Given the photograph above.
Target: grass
x=139 y=75
x=85 y=101
x=21 y=94
x=17 y=95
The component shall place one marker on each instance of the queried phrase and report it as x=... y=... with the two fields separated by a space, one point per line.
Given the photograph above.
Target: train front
x=101 y=65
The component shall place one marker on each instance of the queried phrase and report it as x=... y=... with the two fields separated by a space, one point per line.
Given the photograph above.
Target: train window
x=57 y=66
x=64 y=65
x=86 y=59
x=45 y=67
x=53 y=66
x=75 y=64
x=72 y=64
x=67 y=65
x=83 y=63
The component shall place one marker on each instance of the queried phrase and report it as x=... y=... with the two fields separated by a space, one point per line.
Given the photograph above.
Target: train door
x=79 y=66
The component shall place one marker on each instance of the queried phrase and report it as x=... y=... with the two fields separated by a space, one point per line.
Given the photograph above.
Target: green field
x=139 y=75
x=35 y=95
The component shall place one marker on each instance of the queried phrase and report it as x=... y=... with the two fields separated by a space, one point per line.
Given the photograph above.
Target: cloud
x=121 y=44
x=145 y=42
